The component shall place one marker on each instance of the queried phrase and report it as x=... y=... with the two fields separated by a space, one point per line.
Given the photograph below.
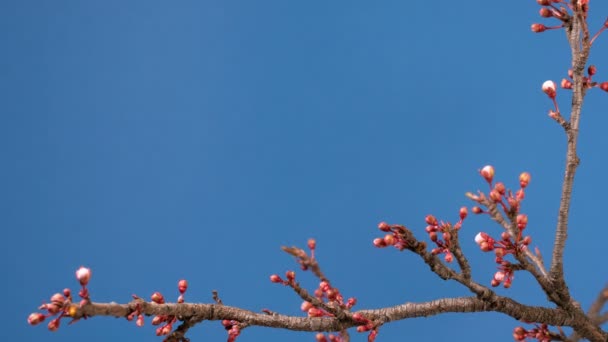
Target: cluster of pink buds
x=320 y=337
x=326 y=300
x=501 y=248
x=165 y=322
x=366 y=325
x=540 y=332
x=549 y=9
x=61 y=304
x=233 y=329
x=508 y=201
x=394 y=236
x=447 y=232
x=510 y=242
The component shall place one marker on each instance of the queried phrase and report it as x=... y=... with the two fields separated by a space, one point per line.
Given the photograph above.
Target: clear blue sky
x=154 y=141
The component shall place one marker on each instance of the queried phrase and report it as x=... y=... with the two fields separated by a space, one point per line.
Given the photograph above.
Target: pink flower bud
x=591 y=70
x=433 y=236
x=538 y=28
x=35 y=318
x=604 y=86
x=566 y=84
x=524 y=179
x=487 y=172
x=320 y=338
x=495 y=196
x=140 y=321
x=383 y=226
x=53 y=325
x=275 y=279
x=389 y=239
x=180 y=299
x=378 y=242
x=522 y=221
x=158 y=298
x=290 y=275
x=158 y=320
x=480 y=237
x=545 y=12
x=314 y=312
x=549 y=89
x=500 y=188
x=448 y=257
x=312 y=243
x=494 y=282
x=58 y=299
x=447 y=236
x=544 y=2
x=477 y=210
x=499 y=252
x=499 y=276
x=431 y=220
x=306 y=306
x=67 y=292
x=463 y=213
x=182 y=286
x=83 y=275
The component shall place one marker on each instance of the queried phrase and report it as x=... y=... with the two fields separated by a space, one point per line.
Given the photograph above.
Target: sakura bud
x=463 y=213
x=487 y=172
x=182 y=286
x=158 y=298
x=275 y=279
x=549 y=89
x=83 y=275
x=545 y=12
x=604 y=86
x=383 y=226
x=566 y=84
x=538 y=28
x=312 y=243
x=544 y=2
x=53 y=325
x=591 y=70
x=378 y=242
x=35 y=318
x=431 y=220
x=524 y=179
x=522 y=221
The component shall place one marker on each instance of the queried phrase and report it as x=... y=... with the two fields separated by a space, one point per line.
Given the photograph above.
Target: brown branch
x=195 y=313
x=575 y=32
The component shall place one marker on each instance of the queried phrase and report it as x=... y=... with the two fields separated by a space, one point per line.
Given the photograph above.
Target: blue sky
x=155 y=141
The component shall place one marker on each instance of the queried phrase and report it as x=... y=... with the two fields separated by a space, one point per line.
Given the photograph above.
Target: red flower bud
x=35 y=318
x=545 y=12
x=383 y=226
x=566 y=84
x=431 y=220
x=604 y=86
x=378 y=242
x=182 y=286
x=522 y=221
x=591 y=70
x=157 y=298
x=538 y=28
x=463 y=213
x=312 y=243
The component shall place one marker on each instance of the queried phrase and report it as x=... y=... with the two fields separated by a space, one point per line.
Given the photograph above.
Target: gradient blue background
x=154 y=141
